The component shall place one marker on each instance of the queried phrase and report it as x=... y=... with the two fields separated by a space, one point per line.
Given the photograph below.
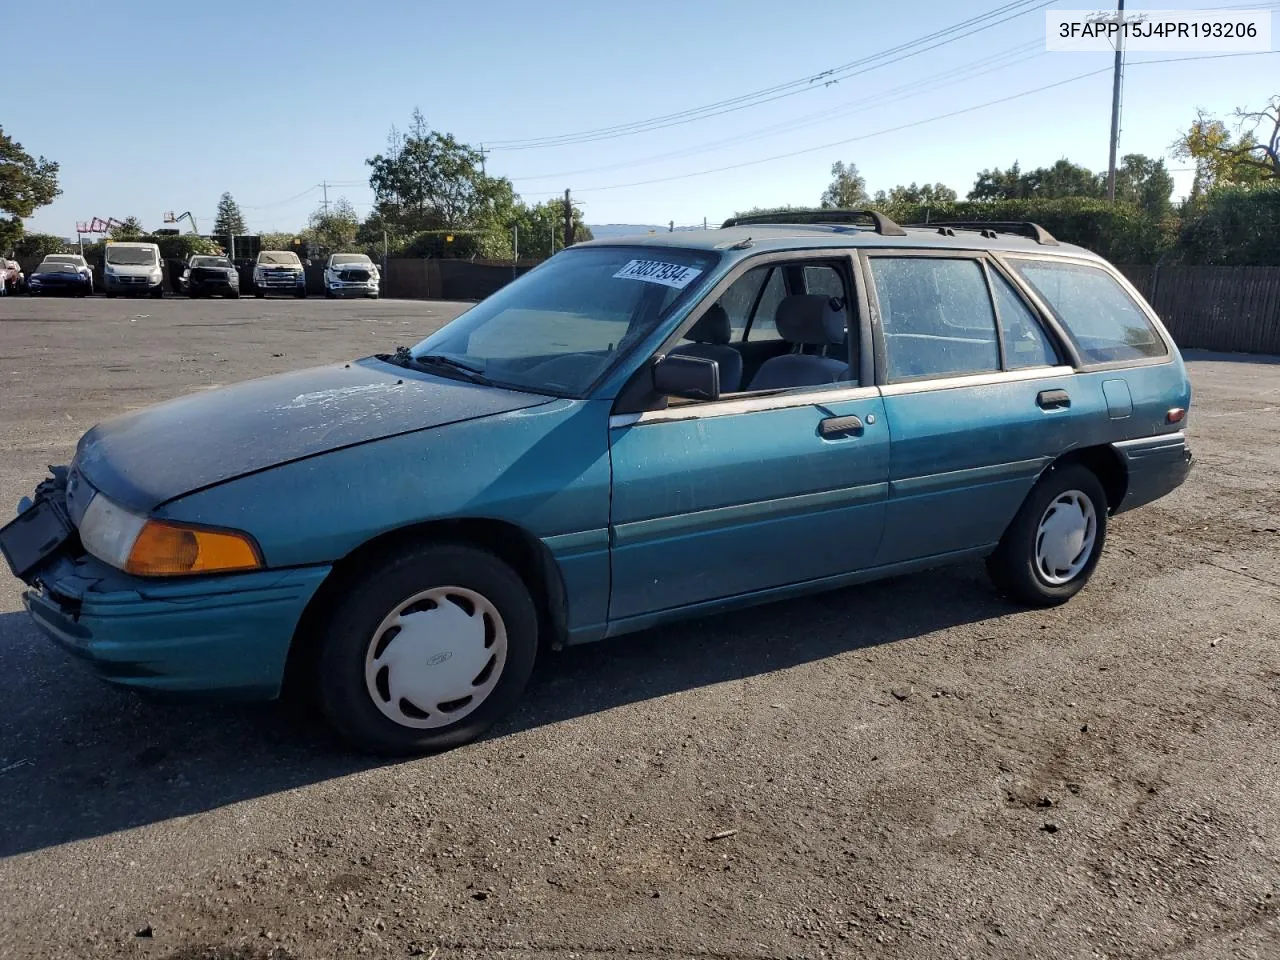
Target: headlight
x=157 y=274
x=159 y=548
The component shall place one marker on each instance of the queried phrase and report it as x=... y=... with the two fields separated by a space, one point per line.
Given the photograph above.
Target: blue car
x=634 y=432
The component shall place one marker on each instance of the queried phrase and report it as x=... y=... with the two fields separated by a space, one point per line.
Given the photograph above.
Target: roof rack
x=884 y=226
x=990 y=228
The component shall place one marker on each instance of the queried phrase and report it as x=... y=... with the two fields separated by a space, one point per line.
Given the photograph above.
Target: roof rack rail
x=989 y=228
x=884 y=226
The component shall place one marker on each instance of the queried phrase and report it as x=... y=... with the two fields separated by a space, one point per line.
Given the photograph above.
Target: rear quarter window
x=1104 y=322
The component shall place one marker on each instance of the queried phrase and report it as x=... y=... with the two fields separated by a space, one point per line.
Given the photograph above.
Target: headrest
x=810 y=319
x=712 y=327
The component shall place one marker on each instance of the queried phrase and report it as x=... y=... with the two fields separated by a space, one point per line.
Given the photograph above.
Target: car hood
x=145 y=458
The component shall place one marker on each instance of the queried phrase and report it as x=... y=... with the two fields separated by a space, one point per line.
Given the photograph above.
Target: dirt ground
x=913 y=768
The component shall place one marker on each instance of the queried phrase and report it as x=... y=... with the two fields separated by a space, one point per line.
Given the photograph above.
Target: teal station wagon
x=635 y=431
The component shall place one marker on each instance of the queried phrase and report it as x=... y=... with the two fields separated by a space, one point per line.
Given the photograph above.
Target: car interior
x=779 y=326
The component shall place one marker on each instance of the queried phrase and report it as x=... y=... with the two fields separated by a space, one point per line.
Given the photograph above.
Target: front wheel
x=427 y=650
x=1051 y=548
x=301 y=294
x=259 y=294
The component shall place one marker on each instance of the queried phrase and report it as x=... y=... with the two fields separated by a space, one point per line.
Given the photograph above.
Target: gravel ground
x=912 y=769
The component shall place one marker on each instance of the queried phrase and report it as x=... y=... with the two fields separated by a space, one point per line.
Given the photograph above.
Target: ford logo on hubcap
x=439 y=658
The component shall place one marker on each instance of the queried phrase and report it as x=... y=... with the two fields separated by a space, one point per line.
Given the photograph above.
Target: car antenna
x=742 y=244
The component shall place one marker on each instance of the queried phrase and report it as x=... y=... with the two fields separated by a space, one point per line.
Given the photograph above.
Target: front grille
x=354 y=276
x=131 y=279
x=208 y=275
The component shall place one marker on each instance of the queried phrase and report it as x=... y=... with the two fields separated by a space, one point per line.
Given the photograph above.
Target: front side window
x=1101 y=318
x=558 y=328
x=1025 y=342
x=936 y=317
x=741 y=296
x=764 y=325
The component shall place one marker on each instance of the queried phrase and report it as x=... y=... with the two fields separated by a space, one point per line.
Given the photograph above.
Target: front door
x=781 y=483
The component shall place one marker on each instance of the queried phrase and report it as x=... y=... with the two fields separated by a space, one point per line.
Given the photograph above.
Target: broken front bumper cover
x=227 y=634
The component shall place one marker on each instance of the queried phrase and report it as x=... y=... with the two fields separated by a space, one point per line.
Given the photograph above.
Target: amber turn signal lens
x=169 y=550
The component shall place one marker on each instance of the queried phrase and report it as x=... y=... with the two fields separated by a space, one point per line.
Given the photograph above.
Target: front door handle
x=1053 y=399
x=839 y=426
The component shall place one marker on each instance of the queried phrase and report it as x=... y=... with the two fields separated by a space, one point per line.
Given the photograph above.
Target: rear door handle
x=1053 y=399
x=839 y=426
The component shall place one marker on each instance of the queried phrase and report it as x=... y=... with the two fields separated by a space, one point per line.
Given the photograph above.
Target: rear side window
x=1025 y=342
x=936 y=317
x=1100 y=317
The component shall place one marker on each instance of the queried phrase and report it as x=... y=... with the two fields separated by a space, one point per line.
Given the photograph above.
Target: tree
x=1063 y=179
x=848 y=189
x=38 y=245
x=763 y=210
x=925 y=193
x=26 y=184
x=430 y=180
x=1222 y=160
x=1145 y=183
x=280 y=241
x=333 y=229
x=128 y=229
x=230 y=221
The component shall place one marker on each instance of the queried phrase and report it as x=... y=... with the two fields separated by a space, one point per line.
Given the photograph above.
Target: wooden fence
x=1233 y=309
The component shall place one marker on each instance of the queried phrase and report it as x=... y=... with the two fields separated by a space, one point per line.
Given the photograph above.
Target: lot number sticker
x=655 y=271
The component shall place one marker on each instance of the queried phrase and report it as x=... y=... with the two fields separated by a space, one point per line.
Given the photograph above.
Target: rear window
x=1103 y=321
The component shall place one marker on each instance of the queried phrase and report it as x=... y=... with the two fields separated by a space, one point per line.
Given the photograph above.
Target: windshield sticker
x=655 y=271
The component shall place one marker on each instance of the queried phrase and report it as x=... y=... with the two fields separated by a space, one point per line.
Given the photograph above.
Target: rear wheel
x=1054 y=542
x=427 y=650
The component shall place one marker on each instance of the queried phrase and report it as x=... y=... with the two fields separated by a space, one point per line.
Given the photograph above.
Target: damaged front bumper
x=224 y=634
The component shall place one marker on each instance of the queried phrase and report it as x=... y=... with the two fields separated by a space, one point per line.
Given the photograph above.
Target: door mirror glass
x=689 y=378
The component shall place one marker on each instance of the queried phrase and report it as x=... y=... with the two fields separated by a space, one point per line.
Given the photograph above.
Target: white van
x=132 y=268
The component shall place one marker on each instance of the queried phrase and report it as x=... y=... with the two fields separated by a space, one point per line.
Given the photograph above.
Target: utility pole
x=671 y=226
x=704 y=223
x=515 y=248
x=568 y=219
x=483 y=153
x=325 y=185
x=1115 y=103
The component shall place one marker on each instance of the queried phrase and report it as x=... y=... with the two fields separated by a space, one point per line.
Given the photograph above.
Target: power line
x=916 y=123
x=970 y=71
x=903 y=51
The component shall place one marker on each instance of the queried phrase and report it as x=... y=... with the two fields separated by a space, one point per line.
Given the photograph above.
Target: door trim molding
x=733 y=407
x=975 y=380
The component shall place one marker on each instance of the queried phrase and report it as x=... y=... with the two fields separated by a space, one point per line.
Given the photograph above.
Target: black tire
x=110 y=295
x=301 y=294
x=259 y=294
x=233 y=294
x=345 y=697
x=157 y=293
x=1015 y=568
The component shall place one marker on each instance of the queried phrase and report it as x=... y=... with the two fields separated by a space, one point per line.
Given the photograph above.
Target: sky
x=154 y=107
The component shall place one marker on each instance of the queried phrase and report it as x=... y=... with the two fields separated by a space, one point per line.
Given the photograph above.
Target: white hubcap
x=1065 y=537
x=436 y=657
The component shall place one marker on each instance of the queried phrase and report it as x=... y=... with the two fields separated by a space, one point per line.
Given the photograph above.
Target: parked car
x=636 y=431
x=279 y=271
x=351 y=274
x=76 y=260
x=52 y=278
x=12 y=279
x=207 y=276
x=132 y=269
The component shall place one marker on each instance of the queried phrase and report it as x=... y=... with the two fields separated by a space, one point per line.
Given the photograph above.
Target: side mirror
x=690 y=378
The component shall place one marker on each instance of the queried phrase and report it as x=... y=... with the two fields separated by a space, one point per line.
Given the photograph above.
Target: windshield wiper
x=404 y=358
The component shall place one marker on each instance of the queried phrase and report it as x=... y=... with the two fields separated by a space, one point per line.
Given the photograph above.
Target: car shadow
x=80 y=758
x=1194 y=354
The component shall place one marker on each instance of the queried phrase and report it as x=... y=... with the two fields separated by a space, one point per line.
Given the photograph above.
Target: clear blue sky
x=160 y=106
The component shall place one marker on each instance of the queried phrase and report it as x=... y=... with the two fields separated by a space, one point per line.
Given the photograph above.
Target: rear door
x=978 y=397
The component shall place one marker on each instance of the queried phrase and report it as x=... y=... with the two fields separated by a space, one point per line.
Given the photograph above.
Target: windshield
x=344 y=258
x=131 y=256
x=64 y=258
x=211 y=262
x=56 y=268
x=561 y=326
x=279 y=256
